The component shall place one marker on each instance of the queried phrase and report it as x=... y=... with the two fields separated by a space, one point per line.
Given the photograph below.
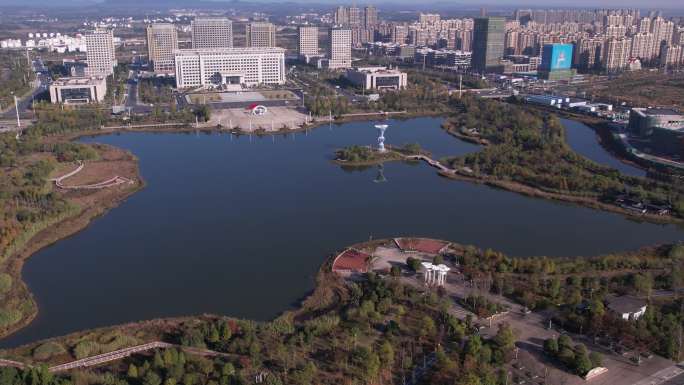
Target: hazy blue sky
x=677 y=4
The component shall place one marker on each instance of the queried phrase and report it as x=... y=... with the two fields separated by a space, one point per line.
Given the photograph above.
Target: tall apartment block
x=370 y=17
x=616 y=54
x=260 y=35
x=212 y=32
x=308 y=41
x=100 y=52
x=339 y=50
x=488 y=44
x=162 y=40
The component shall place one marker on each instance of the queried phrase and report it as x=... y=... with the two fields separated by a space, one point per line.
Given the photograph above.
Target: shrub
x=9 y=317
x=48 y=350
x=5 y=283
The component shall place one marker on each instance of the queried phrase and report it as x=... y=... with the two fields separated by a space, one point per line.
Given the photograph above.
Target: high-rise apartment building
x=212 y=32
x=162 y=40
x=616 y=54
x=671 y=55
x=370 y=17
x=400 y=34
x=100 y=52
x=308 y=41
x=488 y=44
x=588 y=53
x=355 y=16
x=341 y=16
x=643 y=46
x=339 y=49
x=260 y=34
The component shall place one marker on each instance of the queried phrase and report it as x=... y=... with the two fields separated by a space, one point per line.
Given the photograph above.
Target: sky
x=670 y=4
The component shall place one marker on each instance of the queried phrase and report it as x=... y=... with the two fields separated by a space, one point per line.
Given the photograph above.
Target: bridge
x=117 y=355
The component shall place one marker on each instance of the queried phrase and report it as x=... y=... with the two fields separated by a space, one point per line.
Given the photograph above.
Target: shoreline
x=326 y=292
x=62 y=230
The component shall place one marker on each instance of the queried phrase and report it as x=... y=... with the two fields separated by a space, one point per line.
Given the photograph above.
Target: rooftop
x=351 y=260
x=626 y=304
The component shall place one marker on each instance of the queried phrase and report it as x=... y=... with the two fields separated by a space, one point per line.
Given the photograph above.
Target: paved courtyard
x=275 y=119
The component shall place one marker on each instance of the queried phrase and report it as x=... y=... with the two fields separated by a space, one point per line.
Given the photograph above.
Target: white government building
x=229 y=66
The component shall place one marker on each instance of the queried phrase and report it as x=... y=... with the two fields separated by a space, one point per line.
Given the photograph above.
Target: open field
x=643 y=88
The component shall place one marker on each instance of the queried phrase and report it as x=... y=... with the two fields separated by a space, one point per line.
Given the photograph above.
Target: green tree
x=132 y=371
x=151 y=378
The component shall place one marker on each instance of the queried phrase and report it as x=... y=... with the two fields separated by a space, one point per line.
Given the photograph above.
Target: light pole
x=16 y=109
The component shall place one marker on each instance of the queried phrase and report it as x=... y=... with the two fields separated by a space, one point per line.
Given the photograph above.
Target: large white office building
x=212 y=32
x=100 y=52
x=162 y=41
x=216 y=67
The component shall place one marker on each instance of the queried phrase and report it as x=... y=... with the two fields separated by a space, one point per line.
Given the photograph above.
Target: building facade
x=488 y=44
x=212 y=32
x=260 y=35
x=308 y=41
x=81 y=90
x=100 y=52
x=162 y=40
x=377 y=78
x=216 y=67
x=339 y=49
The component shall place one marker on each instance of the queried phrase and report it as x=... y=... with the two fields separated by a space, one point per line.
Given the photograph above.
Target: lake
x=240 y=225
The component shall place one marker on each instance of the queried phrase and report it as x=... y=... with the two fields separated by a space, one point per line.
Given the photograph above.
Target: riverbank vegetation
x=364 y=155
x=29 y=203
x=578 y=291
x=528 y=147
x=373 y=331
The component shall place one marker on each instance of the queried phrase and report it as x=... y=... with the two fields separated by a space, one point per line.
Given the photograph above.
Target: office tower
x=260 y=35
x=339 y=50
x=212 y=32
x=488 y=44
x=616 y=54
x=556 y=60
x=308 y=41
x=162 y=40
x=370 y=17
x=100 y=52
x=229 y=66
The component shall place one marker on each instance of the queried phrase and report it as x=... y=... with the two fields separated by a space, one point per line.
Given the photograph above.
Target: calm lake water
x=239 y=226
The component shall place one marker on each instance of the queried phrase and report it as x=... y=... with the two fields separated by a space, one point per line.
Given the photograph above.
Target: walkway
x=114 y=181
x=117 y=355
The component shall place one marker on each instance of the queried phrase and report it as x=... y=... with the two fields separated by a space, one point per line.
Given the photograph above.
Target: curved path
x=116 y=180
x=116 y=355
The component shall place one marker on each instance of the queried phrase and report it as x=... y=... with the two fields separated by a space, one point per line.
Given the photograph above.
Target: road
x=43 y=81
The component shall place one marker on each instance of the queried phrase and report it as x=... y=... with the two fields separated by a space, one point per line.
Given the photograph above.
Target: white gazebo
x=435 y=274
